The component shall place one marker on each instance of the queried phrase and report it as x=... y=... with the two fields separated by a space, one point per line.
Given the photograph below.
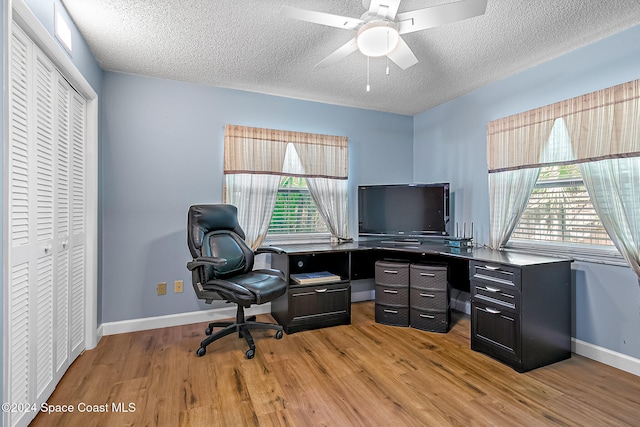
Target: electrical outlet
x=162 y=288
x=177 y=286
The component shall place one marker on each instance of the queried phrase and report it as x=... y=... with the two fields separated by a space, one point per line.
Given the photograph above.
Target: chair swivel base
x=242 y=327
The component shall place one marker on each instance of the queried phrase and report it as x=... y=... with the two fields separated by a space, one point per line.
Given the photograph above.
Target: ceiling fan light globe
x=377 y=38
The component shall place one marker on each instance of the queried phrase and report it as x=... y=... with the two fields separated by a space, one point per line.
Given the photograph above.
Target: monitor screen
x=410 y=210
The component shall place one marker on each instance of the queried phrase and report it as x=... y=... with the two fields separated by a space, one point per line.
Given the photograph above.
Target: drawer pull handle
x=428 y=274
x=428 y=295
x=321 y=290
x=428 y=316
x=389 y=291
x=391 y=311
x=391 y=271
x=490 y=289
x=493 y=310
x=492 y=267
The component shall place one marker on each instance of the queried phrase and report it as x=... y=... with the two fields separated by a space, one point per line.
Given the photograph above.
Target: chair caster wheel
x=279 y=335
x=208 y=331
x=201 y=351
x=250 y=353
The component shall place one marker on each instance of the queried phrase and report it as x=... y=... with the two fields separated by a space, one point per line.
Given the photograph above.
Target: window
x=271 y=175
x=295 y=211
x=599 y=133
x=559 y=210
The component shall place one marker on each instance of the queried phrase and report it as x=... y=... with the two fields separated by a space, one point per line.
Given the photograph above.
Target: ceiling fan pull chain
x=368 y=86
x=387 y=56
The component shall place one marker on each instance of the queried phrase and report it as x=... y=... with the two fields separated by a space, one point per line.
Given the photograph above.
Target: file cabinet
x=392 y=292
x=429 y=298
x=520 y=315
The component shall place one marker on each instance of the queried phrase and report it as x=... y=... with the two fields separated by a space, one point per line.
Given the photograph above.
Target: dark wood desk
x=520 y=303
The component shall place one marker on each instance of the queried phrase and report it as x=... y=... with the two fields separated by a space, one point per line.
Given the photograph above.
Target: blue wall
x=450 y=144
x=162 y=150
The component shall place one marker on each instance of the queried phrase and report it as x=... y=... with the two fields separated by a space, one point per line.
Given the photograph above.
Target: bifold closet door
x=45 y=307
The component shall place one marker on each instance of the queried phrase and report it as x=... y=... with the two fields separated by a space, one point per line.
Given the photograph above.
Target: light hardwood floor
x=363 y=374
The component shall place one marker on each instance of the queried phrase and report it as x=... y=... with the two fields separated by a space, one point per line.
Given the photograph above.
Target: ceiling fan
x=379 y=29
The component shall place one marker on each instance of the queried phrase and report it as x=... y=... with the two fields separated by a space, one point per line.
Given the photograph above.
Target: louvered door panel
x=20 y=256
x=61 y=330
x=44 y=325
x=19 y=152
x=19 y=338
x=77 y=260
x=44 y=145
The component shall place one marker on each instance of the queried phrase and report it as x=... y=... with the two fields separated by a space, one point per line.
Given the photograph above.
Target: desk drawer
x=495 y=332
x=389 y=315
x=392 y=273
x=430 y=321
x=320 y=300
x=504 y=275
x=429 y=299
x=428 y=276
x=392 y=295
x=491 y=293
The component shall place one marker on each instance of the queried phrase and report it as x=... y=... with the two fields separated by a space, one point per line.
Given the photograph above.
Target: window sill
x=584 y=253
x=282 y=239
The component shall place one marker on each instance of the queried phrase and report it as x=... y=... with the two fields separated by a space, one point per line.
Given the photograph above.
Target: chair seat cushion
x=264 y=287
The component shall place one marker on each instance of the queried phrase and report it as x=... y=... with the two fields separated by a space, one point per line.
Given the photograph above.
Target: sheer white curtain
x=605 y=133
x=330 y=196
x=514 y=149
x=255 y=196
x=509 y=193
x=325 y=166
x=253 y=161
x=614 y=190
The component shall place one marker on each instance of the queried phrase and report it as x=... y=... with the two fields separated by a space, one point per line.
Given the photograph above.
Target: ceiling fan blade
x=402 y=55
x=321 y=18
x=384 y=8
x=342 y=52
x=431 y=17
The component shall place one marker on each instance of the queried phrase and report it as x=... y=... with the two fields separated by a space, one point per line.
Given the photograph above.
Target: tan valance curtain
x=262 y=151
x=602 y=125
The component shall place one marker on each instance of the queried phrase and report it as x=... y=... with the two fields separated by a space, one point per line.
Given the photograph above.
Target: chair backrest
x=213 y=231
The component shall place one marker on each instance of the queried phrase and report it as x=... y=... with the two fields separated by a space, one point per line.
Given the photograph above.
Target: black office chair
x=222 y=269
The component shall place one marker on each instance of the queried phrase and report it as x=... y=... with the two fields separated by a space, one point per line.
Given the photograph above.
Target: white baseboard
x=133 y=325
x=146 y=323
x=606 y=356
x=368 y=295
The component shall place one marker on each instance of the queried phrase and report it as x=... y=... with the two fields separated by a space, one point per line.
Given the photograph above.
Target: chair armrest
x=203 y=261
x=268 y=250
x=271 y=272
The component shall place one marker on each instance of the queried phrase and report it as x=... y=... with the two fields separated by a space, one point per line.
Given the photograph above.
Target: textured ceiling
x=249 y=45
